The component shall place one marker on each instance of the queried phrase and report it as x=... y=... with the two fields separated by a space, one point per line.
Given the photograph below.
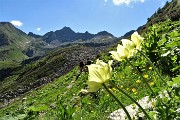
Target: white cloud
x=127 y=2
x=38 y=29
x=16 y=23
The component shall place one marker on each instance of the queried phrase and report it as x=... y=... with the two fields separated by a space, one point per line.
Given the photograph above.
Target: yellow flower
x=121 y=86
x=127 y=88
x=150 y=68
x=98 y=73
x=120 y=54
x=135 y=93
x=138 y=81
x=145 y=76
x=130 y=46
x=151 y=83
x=153 y=104
x=137 y=39
x=109 y=89
x=134 y=90
x=114 y=89
x=126 y=50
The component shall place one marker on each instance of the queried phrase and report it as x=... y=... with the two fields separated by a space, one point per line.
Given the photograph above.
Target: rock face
x=133 y=110
x=3 y=40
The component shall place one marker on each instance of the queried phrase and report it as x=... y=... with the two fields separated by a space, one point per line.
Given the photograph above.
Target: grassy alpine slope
x=13 y=42
x=61 y=98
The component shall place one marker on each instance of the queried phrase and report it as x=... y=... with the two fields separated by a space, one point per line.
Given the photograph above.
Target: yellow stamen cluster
x=146 y=76
x=150 y=68
x=134 y=90
x=151 y=83
x=138 y=81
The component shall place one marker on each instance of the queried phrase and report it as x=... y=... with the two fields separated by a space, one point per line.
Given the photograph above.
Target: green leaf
x=176 y=80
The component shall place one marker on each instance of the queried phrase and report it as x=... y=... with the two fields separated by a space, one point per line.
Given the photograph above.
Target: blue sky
x=114 y=16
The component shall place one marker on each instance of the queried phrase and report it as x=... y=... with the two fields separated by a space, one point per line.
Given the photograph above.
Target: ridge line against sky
x=114 y=16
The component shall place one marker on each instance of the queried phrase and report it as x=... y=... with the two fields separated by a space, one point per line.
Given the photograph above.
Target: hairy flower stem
x=131 y=99
x=118 y=101
x=141 y=76
x=153 y=67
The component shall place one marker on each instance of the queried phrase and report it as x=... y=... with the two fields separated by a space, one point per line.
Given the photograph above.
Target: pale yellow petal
x=94 y=72
x=120 y=49
x=93 y=86
x=137 y=39
x=100 y=62
x=115 y=55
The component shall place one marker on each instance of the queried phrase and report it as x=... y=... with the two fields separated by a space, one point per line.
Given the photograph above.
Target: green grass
x=7 y=64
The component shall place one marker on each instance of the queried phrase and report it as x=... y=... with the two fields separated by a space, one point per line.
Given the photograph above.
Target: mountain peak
x=34 y=35
x=66 y=29
x=5 y=23
x=104 y=33
x=8 y=24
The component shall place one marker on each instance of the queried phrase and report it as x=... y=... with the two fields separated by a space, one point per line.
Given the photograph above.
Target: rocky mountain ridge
x=66 y=34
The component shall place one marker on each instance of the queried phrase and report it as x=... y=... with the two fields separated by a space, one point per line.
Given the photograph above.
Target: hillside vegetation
x=61 y=98
x=18 y=80
x=170 y=11
x=12 y=43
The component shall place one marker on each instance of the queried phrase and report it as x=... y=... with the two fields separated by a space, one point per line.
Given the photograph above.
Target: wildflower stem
x=141 y=76
x=153 y=67
x=156 y=72
x=118 y=101
x=131 y=99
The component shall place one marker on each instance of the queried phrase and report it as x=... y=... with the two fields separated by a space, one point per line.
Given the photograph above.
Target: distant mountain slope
x=12 y=42
x=10 y=35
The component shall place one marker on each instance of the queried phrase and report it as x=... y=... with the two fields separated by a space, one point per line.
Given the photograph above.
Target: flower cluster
x=100 y=72
x=128 y=47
